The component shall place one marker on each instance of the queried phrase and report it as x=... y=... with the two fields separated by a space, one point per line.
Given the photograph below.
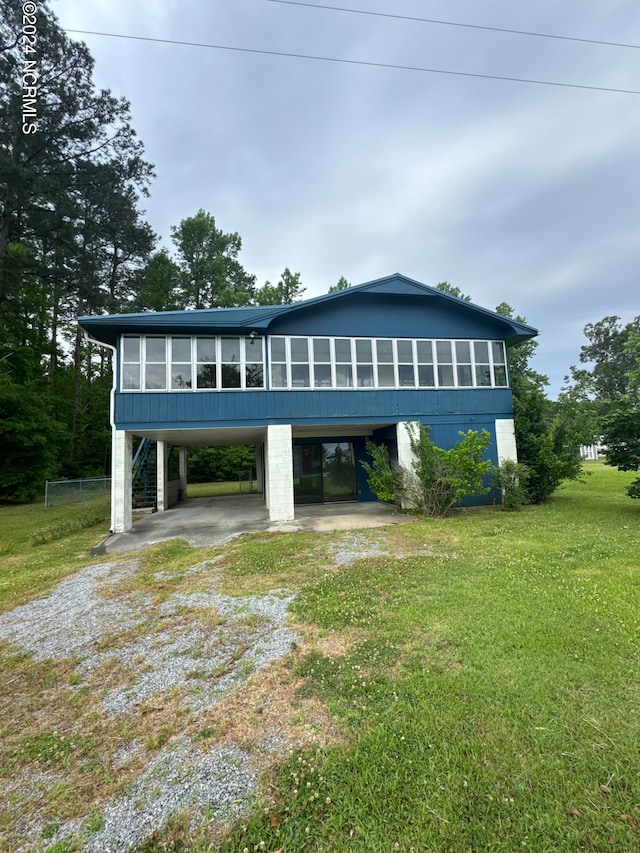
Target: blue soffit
x=107 y=328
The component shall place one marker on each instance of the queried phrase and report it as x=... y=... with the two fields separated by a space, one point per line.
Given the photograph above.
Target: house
x=307 y=384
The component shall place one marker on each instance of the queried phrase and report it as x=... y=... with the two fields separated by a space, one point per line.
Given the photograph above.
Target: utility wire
x=454 y=24
x=362 y=62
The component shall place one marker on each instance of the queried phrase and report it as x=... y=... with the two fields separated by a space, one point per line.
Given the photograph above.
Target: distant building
x=308 y=384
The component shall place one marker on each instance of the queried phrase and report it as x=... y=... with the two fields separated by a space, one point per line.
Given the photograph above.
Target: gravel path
x=84 y=610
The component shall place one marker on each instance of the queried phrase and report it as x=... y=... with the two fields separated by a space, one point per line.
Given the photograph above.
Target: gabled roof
x=107 y=328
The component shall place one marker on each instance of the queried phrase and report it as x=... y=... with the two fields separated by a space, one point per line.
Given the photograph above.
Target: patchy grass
x=471 y=684
x=38 y=546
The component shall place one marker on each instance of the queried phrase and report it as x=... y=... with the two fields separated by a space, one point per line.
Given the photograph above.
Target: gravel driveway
x=93 y=619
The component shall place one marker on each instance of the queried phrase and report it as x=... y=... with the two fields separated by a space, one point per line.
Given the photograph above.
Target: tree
x=27 y=437
x=612 y=361
x=621 y=426
x=72 y=174
x=342 y=284
x=547 y=445
x=211 y=274
x=158 y=286
x=445 y=287
x=289 y=289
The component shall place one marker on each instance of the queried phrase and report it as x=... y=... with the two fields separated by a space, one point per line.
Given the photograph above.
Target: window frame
x=395 y=363
x=244 y=342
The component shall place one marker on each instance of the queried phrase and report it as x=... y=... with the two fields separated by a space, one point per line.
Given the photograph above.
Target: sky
x=512 y=191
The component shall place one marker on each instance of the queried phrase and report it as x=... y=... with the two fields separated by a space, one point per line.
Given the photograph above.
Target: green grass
x=40 y=546
x=482 y=673
x=492 y=702
x=213 y=490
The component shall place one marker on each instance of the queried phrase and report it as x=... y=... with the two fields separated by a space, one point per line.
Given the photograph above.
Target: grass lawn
x=213 y=490
x=481 y=673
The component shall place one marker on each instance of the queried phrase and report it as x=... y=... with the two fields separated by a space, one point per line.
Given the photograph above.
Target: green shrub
x=438 y=479
x=511 y=478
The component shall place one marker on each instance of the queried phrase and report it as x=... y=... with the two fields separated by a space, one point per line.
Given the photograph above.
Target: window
x=254 y=363
x=344 y=369
x=155 y=378
x=322 y=363
x=206 y=362
x=300 y=363
x=364 y=364
x=235 y=363
x=230 y=360
x=131 y=352
x=406 y=376
x=483 y=365
x=385 y=368
x=180 y=363
x=426 y=375
x=463 y=364
x=279 y=375
x=499 y=363
x=445 y=364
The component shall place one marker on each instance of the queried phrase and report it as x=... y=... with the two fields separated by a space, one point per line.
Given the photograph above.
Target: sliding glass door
x=324 y=472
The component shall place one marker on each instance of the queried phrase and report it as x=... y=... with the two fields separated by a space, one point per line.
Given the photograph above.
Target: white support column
x=259 y=468
x=405 y=431
x=121 y=459
x=162 y=479
x=506 y=440
x=279 y=473
x=182 y=463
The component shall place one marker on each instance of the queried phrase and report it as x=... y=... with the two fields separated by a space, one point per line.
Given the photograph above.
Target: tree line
x=74 y=241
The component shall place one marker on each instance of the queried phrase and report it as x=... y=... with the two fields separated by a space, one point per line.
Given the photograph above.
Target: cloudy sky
x=512 y=191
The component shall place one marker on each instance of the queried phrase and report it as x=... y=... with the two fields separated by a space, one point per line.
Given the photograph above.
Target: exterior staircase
x=143 y=480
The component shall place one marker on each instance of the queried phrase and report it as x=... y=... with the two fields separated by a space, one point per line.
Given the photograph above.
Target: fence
x=65 y=492
x=247 y=482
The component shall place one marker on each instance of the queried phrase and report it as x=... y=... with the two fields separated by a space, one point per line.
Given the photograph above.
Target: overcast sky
x=515 y=192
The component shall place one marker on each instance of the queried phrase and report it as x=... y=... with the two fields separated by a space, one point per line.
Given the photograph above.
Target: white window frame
x=396 y=364
x=217 y=340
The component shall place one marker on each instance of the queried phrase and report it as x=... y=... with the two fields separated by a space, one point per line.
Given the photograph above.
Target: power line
x=362 y=62
x=454 y=24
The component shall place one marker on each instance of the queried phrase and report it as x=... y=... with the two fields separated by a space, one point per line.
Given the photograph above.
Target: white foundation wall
x=506 y=440
x=279 y=473
x=405 y=431
x=162 y=478
x=121 y=505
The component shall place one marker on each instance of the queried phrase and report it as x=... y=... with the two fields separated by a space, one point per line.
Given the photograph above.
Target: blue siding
x=384 y=315
x=162 y=410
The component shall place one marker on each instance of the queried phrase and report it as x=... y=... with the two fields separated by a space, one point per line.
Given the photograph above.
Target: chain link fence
x=65 y=492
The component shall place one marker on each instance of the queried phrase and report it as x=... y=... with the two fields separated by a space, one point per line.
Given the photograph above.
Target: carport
x=208 y=522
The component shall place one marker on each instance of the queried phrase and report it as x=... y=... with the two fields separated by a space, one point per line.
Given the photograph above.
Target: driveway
x=203 y=522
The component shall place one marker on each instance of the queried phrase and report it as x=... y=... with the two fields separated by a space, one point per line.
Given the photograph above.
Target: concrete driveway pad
x=203 y=522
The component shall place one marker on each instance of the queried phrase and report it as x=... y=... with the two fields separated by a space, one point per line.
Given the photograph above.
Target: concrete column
x=405 y=431
x=506 y=440
x=259 y=483
x=182 y=463
x=162 y=478
x=279 y=474
x=121 y=459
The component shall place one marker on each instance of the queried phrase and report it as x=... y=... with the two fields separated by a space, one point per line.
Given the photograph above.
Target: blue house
x=308 y=384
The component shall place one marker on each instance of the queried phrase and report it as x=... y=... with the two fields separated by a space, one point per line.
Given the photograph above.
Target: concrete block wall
x=121 y=501
x=506 y=440
x=279 y=472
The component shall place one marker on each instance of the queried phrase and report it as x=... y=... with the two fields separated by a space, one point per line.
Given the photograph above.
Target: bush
x=385 y=479
x=438 y=479
x=511 y=478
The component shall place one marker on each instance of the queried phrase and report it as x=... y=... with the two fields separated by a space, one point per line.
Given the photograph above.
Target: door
x=324 y=472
